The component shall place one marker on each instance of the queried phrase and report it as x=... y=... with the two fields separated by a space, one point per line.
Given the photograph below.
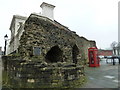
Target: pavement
x=105 y=76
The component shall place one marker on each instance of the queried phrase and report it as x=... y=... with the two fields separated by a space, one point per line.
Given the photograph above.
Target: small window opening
x=75 y=52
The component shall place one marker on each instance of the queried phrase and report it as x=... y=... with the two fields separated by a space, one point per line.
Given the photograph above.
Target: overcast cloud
x=94 y=19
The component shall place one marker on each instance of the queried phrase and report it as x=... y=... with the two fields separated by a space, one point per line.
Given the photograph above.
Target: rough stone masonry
x=49 y=55
x=52 y=42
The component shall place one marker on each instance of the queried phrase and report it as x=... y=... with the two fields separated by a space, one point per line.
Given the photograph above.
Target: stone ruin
x=51 y=42
x=50 y=55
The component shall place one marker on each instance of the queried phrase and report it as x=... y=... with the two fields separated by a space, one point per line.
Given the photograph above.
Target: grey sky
x=94 y=19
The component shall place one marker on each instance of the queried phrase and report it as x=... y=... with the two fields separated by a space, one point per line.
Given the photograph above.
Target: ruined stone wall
x=31 y=74
x=86 y=44
x=43 y=33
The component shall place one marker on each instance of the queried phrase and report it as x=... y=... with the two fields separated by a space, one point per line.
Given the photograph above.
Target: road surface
x=105 y=76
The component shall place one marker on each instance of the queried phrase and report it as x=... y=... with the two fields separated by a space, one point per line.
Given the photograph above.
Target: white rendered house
x=16 y=28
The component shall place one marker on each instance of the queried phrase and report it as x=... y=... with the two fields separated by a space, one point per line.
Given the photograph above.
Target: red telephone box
x=94 y=60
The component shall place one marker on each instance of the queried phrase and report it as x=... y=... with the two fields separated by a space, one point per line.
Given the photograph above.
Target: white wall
x=17 y=24
x=17 y=37
x=8 y=47
x=15 y=42
x=48 y=12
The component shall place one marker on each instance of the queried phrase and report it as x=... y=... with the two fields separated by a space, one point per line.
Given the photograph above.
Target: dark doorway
x=55 y=54
x=75 y=52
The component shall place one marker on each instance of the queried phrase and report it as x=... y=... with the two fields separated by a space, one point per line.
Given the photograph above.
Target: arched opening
x=75 y=52
x=55 y=54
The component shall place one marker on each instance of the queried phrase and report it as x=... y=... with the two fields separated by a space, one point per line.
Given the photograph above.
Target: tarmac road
x=105 y=76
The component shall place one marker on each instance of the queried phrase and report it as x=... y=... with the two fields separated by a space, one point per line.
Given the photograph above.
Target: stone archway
x=75 y=52
x=55 y=54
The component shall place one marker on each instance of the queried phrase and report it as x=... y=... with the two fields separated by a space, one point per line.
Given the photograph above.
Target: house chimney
x=47 y=10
